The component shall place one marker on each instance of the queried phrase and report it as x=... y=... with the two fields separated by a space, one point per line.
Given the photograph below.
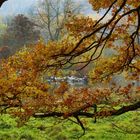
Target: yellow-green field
x=123 y=127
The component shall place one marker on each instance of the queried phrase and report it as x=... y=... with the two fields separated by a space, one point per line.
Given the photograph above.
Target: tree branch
x=1 y=2
x=90 y=115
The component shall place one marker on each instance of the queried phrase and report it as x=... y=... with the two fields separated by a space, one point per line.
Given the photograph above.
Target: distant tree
x=20 y=32
x=3 y=28
x=54 y=14
x=4 y=52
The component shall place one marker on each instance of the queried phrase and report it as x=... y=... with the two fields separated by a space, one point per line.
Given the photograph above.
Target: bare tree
x=52 y=16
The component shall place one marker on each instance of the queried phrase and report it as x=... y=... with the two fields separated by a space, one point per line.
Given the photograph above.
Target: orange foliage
x=24 y=93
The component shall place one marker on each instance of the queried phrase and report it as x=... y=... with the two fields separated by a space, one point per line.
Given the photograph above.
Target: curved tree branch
x=80 y=112
x=1 y=2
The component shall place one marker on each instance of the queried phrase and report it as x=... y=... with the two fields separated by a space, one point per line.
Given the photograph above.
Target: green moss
x=123 y=127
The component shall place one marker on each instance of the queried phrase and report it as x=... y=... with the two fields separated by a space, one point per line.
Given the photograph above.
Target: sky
x=12 y=7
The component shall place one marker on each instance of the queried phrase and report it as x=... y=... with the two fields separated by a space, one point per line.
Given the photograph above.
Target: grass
x=123 y=127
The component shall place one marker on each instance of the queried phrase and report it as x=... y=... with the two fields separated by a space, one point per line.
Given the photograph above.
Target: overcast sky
x=20 y=6
x=16 y=6
x=12 y=7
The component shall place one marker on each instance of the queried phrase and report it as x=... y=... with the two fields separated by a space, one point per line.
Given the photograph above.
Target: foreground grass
x=123 y=127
